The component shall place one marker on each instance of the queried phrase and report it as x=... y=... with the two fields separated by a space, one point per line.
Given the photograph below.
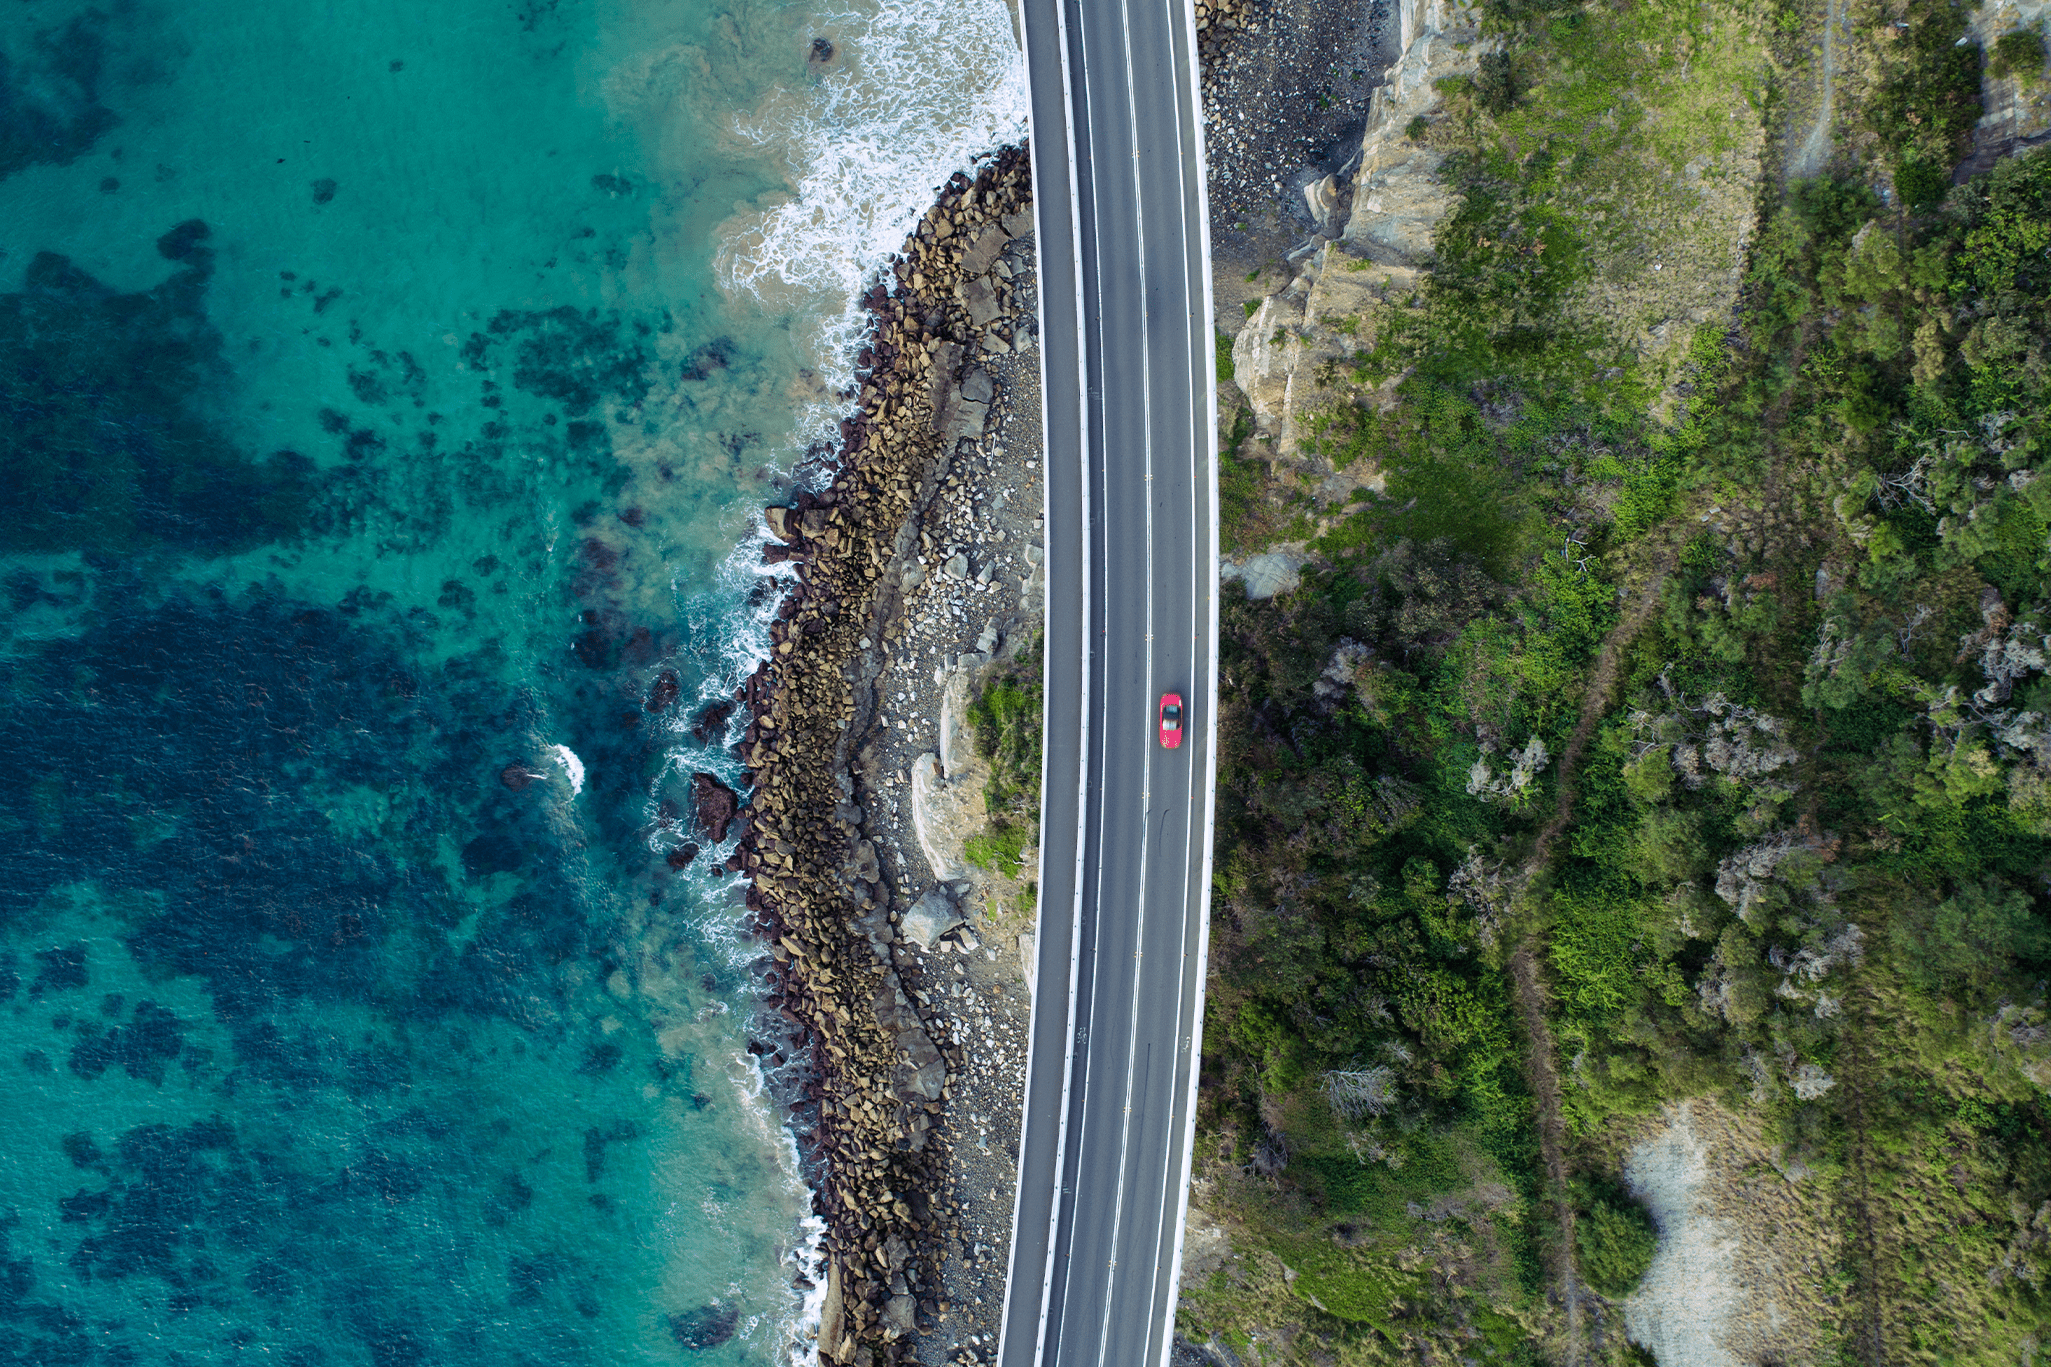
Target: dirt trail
x=1814 y=154
x=1594 y=703
x=1527 y=975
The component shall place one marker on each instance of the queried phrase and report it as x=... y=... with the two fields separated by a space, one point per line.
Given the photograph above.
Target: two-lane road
x=1131 y=570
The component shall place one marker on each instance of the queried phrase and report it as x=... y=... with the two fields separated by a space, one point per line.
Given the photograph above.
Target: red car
x=1171 y=720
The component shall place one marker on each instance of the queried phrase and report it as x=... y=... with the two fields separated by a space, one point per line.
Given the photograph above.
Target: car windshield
x=1171 y=715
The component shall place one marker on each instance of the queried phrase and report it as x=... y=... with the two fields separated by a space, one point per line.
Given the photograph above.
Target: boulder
x=932 y=916
x=666 y=690
x=898 y=1314
x=957 y=745
x=958 y=417
x=715 y=803
x=982 y=303
x=517 y=776
x=710 y=721
x=978 y=386
x=982 y=253
x=778 y=519
x=864 y=865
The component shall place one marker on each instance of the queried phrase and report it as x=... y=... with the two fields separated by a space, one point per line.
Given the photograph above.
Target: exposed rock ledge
x=1285 y=358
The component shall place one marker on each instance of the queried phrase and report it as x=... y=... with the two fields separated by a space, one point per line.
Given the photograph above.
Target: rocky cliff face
x=2018 y=102
x=1398 y=198
x=1288 y=357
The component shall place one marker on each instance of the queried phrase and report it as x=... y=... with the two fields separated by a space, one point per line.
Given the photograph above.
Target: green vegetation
x=1001 y=848
x=1006 y=718
x=1613 y=1238
x=2019 y=54
x=1706 y=685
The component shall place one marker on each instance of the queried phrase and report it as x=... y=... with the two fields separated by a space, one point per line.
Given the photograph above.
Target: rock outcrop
x=2017 y=103
x=1398 y=197
x=1293 y=357
x=945 y=813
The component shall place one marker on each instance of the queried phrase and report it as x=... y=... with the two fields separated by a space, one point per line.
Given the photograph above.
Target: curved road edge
x=1193 y=72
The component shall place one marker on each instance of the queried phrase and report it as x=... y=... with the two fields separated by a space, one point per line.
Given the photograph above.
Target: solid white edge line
x=1046 y=658
x=1175 y=1176
x=1146 y=406
x=1209 y=376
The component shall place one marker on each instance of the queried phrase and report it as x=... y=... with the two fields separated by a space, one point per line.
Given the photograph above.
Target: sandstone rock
x=778 y=519
x=1398 y=198
x=981 y=302
x=1323 y=198
x=897 y=1316
x=982 y=252
x=957 y=742
x=1267 y=575
x=943 y=817
x=956 y=568
x=830 y=1312
x=932 y=916
x=1281 y=354
x=986 y=643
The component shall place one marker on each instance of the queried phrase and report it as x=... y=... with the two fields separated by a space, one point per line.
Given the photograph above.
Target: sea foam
x=915 y=92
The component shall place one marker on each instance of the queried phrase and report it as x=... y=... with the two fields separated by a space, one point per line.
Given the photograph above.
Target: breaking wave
x=912 y=93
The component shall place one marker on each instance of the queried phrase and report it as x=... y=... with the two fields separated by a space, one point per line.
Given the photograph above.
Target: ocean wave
x=915 y=93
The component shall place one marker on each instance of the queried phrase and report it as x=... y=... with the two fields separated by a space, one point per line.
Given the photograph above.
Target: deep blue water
x=386 y=387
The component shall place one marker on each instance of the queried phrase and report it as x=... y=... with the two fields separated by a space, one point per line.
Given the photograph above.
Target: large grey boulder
x=931 y=917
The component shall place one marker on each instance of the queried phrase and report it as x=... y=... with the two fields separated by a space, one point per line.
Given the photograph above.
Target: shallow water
x=386 y=390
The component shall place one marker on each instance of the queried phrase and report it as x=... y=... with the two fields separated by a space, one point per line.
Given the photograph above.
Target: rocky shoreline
x=903 y=1054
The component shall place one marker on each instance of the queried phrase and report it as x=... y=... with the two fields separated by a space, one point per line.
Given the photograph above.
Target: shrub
x=2019 y=54
x=1001 y=848
x=1496 y=84
x=1006 y=716
x=1615 y=1240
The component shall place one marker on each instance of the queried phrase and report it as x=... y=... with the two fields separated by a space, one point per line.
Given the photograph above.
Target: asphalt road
x=1130 y=426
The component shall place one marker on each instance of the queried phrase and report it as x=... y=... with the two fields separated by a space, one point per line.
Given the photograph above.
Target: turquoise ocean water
x=387 y=389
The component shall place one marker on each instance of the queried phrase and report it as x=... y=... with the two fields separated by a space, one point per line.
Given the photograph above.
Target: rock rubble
x=882 y=1036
